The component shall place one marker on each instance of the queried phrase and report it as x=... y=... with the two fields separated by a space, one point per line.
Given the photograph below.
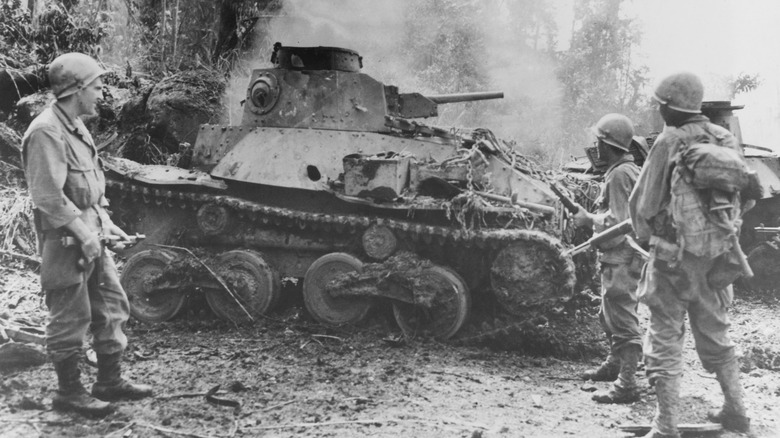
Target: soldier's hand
x=91 y=248
x=113 y=230
x=582 y=218
x=750 y=203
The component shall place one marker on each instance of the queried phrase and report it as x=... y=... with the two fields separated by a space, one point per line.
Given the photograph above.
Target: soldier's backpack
x=705 y=204
x=711 y=166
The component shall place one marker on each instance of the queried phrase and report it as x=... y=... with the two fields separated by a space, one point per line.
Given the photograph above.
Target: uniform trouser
x=670 y=293
x=618 y=312
x=98 y=304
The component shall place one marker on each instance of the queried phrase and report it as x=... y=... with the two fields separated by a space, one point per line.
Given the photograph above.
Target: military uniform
x=673 y=287
x=620 y=264
x=675 y=282
x=66 y=182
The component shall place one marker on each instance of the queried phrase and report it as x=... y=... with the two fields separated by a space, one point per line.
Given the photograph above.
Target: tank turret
x=330 y=172
x=322 y=87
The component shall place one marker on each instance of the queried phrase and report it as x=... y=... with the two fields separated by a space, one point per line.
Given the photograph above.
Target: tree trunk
x=227 y=25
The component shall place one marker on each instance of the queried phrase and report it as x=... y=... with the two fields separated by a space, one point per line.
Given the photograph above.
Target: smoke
x=377 y=30
x=719 y=39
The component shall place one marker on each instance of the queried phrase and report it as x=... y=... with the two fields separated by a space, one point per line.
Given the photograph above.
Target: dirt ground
x=293 y=377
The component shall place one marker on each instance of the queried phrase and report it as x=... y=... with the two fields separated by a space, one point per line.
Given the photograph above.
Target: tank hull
x=329 y=181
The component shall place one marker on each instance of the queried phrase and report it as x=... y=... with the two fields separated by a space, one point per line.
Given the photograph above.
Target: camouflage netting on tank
x=484 y=138
x=475 y=201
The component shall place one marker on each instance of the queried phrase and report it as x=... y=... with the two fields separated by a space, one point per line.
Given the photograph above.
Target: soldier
x=67 y=186
x=620 y=264
x=685 y=244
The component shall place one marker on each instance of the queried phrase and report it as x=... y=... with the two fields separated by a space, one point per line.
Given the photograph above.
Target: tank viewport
x=313 y=172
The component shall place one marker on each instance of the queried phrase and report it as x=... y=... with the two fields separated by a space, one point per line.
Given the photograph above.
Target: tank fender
x=506 y=180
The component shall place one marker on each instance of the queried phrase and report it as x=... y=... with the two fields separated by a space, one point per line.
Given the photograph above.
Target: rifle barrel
x=567 y=203
x=619 y=229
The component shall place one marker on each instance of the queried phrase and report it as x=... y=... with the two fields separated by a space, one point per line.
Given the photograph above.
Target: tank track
x=348 y=225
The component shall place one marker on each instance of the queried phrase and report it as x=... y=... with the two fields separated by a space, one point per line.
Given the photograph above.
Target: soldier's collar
x=65 y=119
x=696 y=119
x=627 y=158
x=75 y=126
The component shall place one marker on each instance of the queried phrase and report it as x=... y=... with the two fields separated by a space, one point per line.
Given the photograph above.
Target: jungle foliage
x=555 y=85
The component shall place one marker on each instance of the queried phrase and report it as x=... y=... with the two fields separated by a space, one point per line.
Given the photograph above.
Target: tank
x=760 y=247
x=332 y=180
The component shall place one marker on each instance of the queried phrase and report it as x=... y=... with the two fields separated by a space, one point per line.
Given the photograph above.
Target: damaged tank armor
x=329 y=179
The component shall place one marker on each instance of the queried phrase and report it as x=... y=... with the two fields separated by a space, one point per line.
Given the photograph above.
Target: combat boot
x=624 y=389
x=111 y=386
x=71 y=395
x=667 y=391
x=607 y=372
x=732 y=416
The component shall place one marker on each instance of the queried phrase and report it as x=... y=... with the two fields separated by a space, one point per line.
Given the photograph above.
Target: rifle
x=736 y=250
x=767 y=230
x=565 y=200
x=620 y=229
x=111 y=241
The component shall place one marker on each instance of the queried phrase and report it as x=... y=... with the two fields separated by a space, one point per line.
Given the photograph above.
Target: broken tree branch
x=186 y=395
x=175 y=432
x=270 y=408
x=217 y=277
x=21 y=256
x=374 y=422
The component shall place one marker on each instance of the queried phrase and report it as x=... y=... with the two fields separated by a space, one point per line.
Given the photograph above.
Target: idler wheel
x=530 y=272
x=255 y=285
x=379 y=242
x=214 y=219
x=150 y=300
x=325 y=308
x=764 y=260
x=448 y=310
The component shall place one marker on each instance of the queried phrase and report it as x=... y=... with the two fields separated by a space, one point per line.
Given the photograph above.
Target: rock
x=16 y=355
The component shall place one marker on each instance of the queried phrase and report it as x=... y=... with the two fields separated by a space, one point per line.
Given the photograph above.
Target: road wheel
x=254 y=284
x=449 y=307
x=150 y=300
x=530 y=271
x=324 y=308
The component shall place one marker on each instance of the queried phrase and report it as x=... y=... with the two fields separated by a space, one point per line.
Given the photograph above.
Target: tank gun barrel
x=465 y=97
x=412 y=105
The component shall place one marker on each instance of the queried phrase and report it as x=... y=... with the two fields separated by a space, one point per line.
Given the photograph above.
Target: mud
x=295 y=378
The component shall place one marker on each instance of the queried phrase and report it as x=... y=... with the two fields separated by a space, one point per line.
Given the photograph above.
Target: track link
x=485 y=242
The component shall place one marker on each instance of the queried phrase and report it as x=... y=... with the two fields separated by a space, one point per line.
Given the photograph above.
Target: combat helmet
x=615 y=130
x=71 y=72
x=681 y=91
